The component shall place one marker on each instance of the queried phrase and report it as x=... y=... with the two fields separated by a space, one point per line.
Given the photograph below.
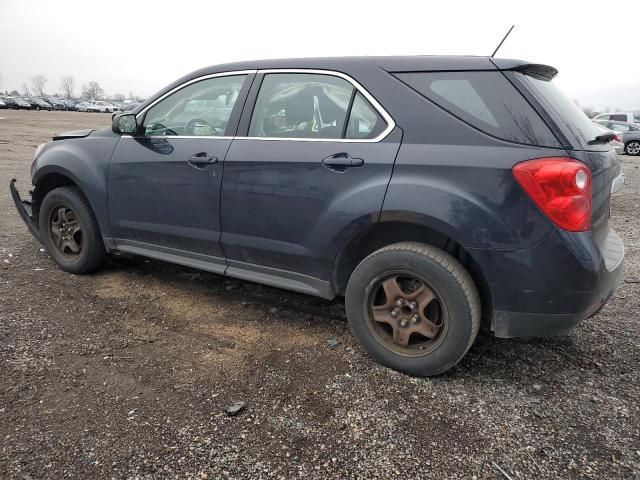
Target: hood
x=73 y=134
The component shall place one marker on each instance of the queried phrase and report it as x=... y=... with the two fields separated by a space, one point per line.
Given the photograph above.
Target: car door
x=164 y=182
x=312 y=169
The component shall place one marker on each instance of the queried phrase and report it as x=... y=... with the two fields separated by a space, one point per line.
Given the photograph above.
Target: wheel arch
x=381 y=234
x=51 y=177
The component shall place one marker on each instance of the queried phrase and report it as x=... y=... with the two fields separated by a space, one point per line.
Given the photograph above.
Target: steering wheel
x=197 y=122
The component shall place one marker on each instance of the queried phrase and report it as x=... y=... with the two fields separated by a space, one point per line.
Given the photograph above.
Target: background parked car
x=630 y=133
x=87 y=107
x=2 y=104
x=629 y=117
x=616 y=143
x=38 y=103
x=56 y=103
x=105 y=107
x=71 y=104
x=16 y=103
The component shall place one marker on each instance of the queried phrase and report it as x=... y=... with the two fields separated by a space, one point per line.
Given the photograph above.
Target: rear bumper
x=25 y=211
x=549 y=289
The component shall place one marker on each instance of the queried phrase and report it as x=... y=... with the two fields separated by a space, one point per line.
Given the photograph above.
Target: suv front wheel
x=413 y=307
x=70 y=232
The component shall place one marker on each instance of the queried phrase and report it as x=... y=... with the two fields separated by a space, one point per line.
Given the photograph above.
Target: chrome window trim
x=391 y=124
x=232 y=73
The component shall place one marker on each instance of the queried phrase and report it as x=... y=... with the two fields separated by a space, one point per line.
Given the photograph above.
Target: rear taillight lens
x=617 y=138
x=560 y=187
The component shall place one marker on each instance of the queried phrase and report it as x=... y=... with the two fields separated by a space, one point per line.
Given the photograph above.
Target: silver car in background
x=629 y=133
x=616 y=143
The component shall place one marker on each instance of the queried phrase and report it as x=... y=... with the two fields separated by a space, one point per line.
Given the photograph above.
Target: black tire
x=453 y=288
x=632 y=146
x=92 y=254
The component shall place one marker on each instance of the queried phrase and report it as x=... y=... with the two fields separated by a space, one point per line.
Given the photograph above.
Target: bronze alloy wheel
x=405 y=314
x=66 y=232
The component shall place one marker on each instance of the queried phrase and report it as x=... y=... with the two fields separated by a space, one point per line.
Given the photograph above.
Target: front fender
x=84 y=161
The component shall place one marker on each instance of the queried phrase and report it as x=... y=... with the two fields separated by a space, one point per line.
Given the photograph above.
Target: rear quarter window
x=486 y=101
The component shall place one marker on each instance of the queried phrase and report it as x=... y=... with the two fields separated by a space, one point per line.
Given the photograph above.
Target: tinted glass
x=619 y=127
x=200 y=109
x=485 y=100
x=364 y=121
x=572 y=115
x=619 y=117
x=296 y=105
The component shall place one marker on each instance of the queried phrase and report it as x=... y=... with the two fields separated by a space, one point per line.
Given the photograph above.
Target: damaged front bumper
x=25 y=210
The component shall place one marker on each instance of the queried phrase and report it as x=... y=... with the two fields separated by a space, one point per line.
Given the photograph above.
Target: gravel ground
x=127 y=374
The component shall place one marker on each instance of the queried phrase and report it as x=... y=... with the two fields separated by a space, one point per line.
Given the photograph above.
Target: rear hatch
x=577 y=133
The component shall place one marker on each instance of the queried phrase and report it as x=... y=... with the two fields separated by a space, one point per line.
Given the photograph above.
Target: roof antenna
x=500 y=44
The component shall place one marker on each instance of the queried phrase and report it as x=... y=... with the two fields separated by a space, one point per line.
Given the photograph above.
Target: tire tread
x=457 y=271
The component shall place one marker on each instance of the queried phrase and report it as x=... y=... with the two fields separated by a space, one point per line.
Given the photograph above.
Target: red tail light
x=618 y=138
x=560 y=187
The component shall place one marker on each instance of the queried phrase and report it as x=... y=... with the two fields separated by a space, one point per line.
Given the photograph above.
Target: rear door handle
x=202 y=159
x=341 y=161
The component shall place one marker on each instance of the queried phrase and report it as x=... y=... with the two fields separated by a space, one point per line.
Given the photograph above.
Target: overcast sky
x=140 y=46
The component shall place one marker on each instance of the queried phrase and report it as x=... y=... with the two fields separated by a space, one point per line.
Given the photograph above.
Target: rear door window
x=301 y=105
x=485 y=100
x=364 y=121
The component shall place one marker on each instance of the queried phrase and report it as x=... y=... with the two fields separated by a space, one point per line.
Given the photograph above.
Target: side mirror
x=124 y=123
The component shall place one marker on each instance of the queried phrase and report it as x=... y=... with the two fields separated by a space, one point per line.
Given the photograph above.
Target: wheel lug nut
x=399 y=302
x=413 y=305
x=403 y=323
x=394 y=313
x=414 y=319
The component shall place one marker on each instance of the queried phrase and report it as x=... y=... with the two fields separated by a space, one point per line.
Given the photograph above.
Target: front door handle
x=341 y=161
x=202 y=159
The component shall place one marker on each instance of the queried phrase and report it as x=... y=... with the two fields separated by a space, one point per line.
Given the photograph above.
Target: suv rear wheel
x=70 y=232
x=414 y=308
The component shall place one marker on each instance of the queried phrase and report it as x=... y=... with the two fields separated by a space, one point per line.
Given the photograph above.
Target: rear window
x=485 y=100
x=569 y=112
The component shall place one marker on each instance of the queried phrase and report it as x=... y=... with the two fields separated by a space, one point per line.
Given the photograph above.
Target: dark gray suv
x=433 y=193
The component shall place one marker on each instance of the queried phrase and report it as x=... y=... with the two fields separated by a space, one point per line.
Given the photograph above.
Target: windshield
x=571 y=114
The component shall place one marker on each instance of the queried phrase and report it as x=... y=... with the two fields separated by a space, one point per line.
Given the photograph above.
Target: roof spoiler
x=523 y=67
x=537 y=69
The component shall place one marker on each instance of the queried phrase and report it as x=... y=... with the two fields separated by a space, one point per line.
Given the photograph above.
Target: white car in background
x=629 y=117
x=87 y=107
x=105 y=107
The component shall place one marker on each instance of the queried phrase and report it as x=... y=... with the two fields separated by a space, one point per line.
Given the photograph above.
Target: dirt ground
x=127 y=373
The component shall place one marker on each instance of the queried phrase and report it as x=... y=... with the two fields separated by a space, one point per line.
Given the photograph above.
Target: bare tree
x=25 y=90
x=38 y=82
x=67 y=85
x=92 y=90
x=118 y=97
